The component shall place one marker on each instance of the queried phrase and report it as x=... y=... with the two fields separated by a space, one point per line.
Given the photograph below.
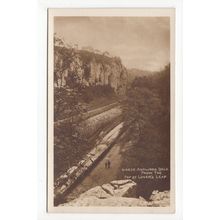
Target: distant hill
x=133 y=73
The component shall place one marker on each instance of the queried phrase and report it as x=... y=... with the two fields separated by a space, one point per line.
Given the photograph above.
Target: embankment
x=73 y=175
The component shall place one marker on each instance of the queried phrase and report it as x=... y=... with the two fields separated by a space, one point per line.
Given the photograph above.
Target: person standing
x=107 y=163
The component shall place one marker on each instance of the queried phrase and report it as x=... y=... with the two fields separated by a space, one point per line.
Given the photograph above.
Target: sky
x=140 y=42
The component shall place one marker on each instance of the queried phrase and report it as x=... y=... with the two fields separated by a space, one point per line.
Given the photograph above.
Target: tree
x=146 y=112
x=67 y=137
x=146 y=115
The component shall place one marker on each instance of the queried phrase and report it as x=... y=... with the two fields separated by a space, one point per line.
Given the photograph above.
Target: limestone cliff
x=89 y=69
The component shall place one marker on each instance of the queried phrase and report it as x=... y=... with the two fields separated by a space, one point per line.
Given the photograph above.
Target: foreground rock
x=119 y=193
x=112 y=201
x=159 y=199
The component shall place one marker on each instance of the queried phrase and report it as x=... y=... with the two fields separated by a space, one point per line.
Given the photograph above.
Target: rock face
x=89 y=68
x=119 y=193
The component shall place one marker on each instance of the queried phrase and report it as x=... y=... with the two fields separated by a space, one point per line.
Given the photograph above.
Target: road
x=99 y=174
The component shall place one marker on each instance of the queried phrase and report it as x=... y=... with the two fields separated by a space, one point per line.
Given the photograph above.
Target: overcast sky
x=141 y=42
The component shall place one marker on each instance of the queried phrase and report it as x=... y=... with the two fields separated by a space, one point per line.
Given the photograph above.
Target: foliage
x=97 y=91
x=88 y=56
x=68 y=142
x=146 y=111
x=69 y=102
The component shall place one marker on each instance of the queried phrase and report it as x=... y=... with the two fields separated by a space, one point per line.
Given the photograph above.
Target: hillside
x=133 y=73
x=84 y=82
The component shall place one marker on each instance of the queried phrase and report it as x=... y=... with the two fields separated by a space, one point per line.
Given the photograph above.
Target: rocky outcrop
x=111 y=201
x=88 y=68
x=159 y=199
x=115 y=193
x=120 y=188
x=119 y=193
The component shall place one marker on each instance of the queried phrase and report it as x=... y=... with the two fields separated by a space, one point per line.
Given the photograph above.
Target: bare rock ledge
x=119 y=193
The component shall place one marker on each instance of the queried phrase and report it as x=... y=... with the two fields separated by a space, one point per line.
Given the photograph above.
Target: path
x=99 y=174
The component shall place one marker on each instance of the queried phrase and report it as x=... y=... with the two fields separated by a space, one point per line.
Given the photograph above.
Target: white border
x=42 y=99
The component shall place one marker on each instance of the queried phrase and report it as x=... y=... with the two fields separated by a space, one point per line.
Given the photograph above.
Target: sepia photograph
x=111 y=110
